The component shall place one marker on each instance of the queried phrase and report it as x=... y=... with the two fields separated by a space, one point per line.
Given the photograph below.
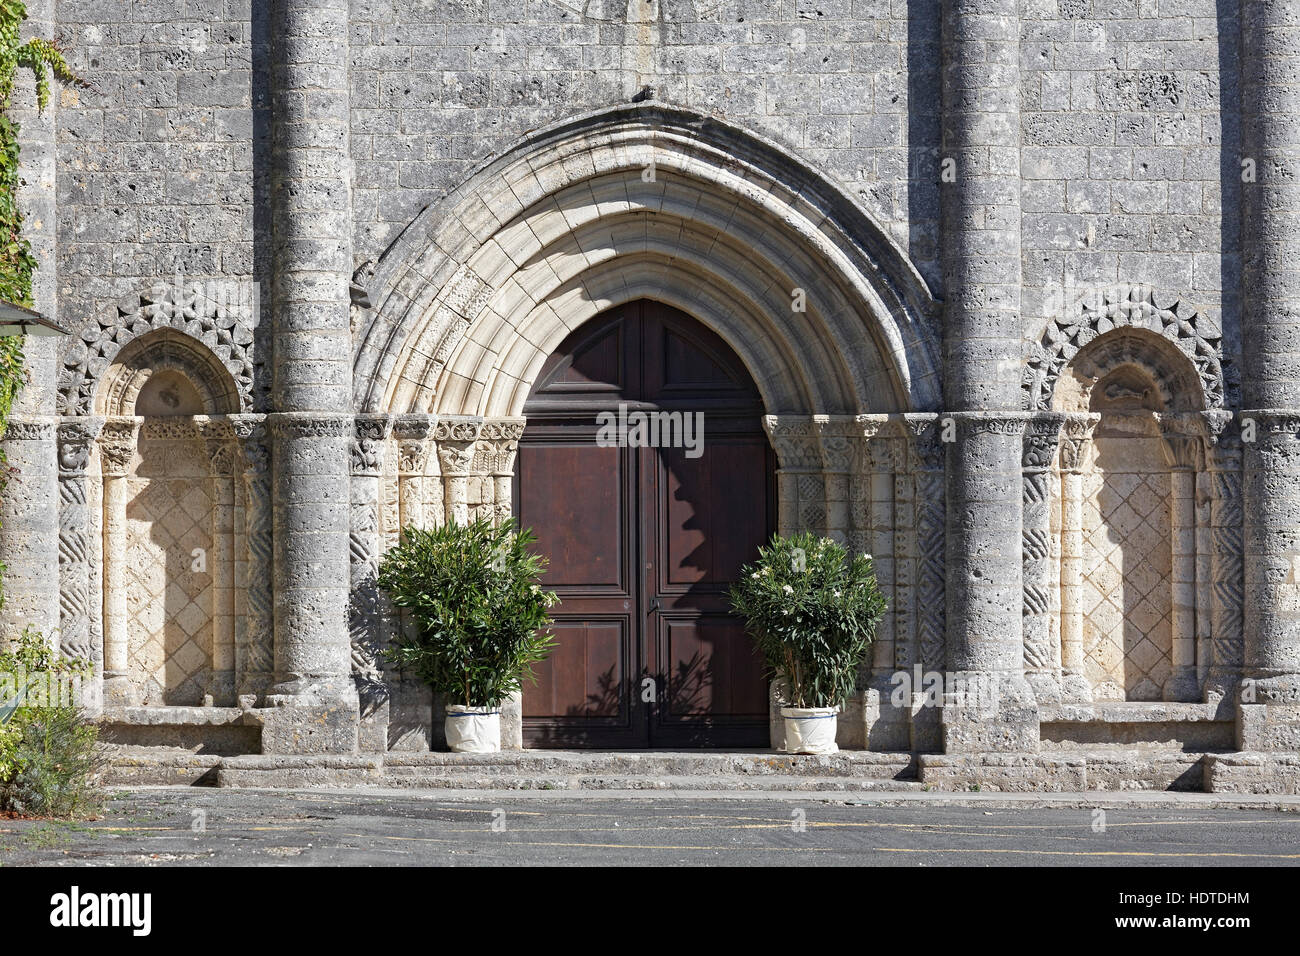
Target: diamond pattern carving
x=169 y=604
x=1126 y=600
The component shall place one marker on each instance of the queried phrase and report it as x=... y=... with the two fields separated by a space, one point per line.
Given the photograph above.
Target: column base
x=886 y=726
x=1075 y=689
x=311 y=728
x=1268 y=773
x=1046 y=686
x=1268 y=727
x=989 y=713
x=119 y=691
x=1182 y=685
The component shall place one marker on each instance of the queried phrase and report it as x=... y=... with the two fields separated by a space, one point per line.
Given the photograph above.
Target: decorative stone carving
x=1041 y=656
x=75 y=440
x=456 y=439
x=117 y=444
x=494 y=460
x=223 y=323
x=931 y=512
x=1223 y=458
x=367 y=446
x=1121 y=307
x=253 y=639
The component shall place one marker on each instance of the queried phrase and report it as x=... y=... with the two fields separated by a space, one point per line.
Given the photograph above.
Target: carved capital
x=924 y=431
x=838 y=436
x=1182 y=442
x=117 y=444
x=1042 y=435
x=250 y=432
x=76 y=436
x=456 y=440
x=795 y=440
x=367 y=444
x=498 y=443
x=1076 y=433
x=1222 y=440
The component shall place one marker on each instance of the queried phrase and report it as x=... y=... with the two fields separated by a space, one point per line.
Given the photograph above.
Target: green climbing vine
x=17 y=264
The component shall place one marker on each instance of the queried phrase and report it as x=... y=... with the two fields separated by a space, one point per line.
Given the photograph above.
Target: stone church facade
x=1016 y=281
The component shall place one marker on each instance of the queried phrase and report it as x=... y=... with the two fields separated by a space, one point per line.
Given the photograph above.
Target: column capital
x=836 y=434
x=1042 y=435
x=499 y=440
x=117 y=444
x=924 y=433
x=75 y=437
x=1182 y=440
x=1076 y=432
x=369 y=433
x=795 y=440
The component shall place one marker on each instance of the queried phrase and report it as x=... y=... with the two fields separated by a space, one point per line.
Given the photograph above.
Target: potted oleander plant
x=812 y=609
x=479 y=620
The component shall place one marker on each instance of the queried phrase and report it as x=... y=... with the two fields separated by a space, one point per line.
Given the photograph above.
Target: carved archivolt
x=1124 y=308
x=209 y=329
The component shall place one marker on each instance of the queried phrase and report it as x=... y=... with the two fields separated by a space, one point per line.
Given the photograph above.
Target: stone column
x=839 y=436
x=980 y=209
x=220 y=562
x=413 y=434
x=1223 y=459
x=76 y=436
x=254 y=635
x=1270 y=335
x=497 y=446
x=117 y=447
x=888 y=725
x=1182 y=451
x=500 y=444
x=416 y=719
x=801 y=491
x=365 y=618
x=1042 y=653
x=311 y=424
x=1076 y=440
x=456 y=438
x=986 y=653
x=29 y=507
x=929 y=575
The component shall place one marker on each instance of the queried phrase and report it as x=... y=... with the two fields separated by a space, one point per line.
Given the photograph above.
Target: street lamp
x=18 y=320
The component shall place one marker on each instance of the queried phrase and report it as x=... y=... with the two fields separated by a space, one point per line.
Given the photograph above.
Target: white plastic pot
x=473 y=730
x=810 y=730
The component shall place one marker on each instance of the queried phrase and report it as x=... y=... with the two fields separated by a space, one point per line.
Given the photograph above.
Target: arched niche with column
x=172 y=484
x=833 y=323
x=1132 y=514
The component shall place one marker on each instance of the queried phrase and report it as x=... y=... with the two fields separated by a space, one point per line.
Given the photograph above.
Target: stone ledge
x=1064 y=771
x=1130 y=712
x=673 y=763
x=1253 y=772
x=180 y=716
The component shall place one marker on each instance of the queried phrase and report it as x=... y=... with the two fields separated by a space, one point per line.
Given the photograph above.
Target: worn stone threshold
x=1107 y=770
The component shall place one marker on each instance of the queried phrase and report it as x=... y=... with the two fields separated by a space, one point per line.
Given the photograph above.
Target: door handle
x=654 y=604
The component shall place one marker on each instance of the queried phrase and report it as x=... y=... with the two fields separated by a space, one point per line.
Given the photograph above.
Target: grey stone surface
x=401 y=194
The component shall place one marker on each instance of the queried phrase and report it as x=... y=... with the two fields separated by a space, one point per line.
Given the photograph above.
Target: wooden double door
x=645 y=534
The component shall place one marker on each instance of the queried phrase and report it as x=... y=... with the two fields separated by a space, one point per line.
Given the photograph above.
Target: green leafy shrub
x=813 y=610
x=480 y=616
x=50 y=758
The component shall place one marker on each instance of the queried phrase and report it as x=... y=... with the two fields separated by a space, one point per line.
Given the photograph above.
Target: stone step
x=533 y=770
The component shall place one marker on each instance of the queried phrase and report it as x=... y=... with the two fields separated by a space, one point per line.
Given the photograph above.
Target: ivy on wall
x=17 y=264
